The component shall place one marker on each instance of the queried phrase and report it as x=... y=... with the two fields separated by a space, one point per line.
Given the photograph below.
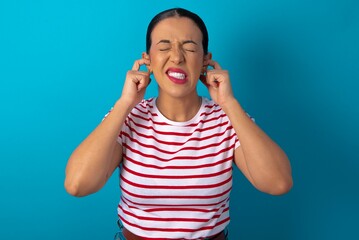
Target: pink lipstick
x=177 y=75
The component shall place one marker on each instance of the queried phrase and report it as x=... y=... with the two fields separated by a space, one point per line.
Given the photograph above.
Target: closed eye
x=189 y=46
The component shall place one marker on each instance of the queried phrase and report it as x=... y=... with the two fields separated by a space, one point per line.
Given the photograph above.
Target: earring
x=204 y=71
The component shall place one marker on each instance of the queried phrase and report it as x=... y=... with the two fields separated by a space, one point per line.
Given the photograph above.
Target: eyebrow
x=184 y=42
x=189 y=41
x=163 y=41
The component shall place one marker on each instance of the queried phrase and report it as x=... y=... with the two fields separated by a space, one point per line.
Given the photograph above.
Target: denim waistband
x=119 y=235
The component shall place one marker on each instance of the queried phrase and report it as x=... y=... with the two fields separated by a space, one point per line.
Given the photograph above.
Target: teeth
x=177 y=75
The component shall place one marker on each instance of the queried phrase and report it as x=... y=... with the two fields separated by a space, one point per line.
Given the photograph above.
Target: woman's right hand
x=136 y=83
x=94 y=160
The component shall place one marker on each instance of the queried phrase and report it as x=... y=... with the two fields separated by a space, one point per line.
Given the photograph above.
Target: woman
x=176 y=150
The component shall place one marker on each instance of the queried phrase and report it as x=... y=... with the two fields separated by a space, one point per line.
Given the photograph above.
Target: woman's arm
x=260 y=159
x=95 y=159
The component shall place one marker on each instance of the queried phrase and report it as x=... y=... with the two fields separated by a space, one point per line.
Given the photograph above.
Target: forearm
x=91 y=163
x=265 y=162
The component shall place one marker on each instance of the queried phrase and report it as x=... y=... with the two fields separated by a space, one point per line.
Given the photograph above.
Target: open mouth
x=177 y=75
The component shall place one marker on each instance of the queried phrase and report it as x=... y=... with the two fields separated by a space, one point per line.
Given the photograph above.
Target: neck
x=179 y=109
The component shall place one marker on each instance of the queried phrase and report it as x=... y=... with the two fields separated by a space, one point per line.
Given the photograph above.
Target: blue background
x=294 y=66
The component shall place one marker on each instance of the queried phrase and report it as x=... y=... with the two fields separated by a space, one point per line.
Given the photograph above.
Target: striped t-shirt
x=176 y=177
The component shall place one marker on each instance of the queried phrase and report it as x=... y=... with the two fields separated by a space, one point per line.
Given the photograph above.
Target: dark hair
x=180 y=12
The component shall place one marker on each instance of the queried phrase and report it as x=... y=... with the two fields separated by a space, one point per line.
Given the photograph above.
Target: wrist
x=229 y=104
x=124 y=105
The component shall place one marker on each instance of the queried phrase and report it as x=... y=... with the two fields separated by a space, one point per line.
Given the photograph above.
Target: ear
x=147 y=57
x=206 y=59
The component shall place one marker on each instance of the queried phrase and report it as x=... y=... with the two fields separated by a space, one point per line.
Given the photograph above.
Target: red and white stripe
x=176 y=177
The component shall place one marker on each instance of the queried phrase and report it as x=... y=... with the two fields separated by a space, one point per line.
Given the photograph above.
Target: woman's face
x=177 y=56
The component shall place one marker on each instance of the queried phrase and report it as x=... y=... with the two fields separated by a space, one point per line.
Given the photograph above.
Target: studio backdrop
x=294 y=66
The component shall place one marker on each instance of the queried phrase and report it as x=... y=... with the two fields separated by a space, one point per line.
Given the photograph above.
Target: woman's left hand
x=218 y=83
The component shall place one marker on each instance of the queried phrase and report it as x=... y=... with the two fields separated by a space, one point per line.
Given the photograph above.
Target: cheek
x=197 y=64
x=157 y=61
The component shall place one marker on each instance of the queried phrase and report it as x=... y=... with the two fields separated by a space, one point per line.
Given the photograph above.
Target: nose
x=177 y=55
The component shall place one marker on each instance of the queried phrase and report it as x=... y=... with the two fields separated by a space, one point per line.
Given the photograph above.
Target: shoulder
x=210 y=107
x=143 y=113
x=145 y=106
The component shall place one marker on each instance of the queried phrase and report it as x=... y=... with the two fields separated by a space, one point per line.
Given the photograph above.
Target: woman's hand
x=218 y=83
x=136 y=83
